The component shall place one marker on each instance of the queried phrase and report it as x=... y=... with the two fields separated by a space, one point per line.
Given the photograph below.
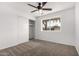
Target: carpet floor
x=39 y=48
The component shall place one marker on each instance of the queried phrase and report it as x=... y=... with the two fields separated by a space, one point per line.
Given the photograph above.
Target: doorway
x=31 y=29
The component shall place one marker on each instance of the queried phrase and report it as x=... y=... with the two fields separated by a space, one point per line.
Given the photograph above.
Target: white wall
x=77 y=25
x=22 y=29
x=66 y=36
x=13 y=27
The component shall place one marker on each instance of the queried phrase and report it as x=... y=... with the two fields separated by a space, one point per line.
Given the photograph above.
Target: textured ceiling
x=23 y=8
x=56 y=6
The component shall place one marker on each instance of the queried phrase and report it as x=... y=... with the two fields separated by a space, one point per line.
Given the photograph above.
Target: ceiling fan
x=40 y=7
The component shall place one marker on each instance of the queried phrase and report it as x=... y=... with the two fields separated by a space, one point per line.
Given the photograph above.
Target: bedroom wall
x=67 y=34
x=77 y=26
x=13 y=27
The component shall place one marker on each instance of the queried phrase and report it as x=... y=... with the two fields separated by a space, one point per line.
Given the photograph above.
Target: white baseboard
x=66 y=43
x=77 y=48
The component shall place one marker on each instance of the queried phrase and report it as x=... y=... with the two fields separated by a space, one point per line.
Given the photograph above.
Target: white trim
x=77 y=49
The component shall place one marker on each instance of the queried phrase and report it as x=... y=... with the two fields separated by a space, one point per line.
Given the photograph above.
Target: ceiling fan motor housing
x=39 y=6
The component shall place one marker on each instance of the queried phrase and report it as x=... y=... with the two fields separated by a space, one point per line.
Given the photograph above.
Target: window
x=53 y=24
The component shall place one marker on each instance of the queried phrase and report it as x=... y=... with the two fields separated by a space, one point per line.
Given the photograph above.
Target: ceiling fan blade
x=47 y=9
x=43 y=4
x=33 y=11
x=32 y=6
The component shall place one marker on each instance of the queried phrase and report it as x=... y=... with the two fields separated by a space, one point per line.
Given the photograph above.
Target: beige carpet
x=40 y=48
